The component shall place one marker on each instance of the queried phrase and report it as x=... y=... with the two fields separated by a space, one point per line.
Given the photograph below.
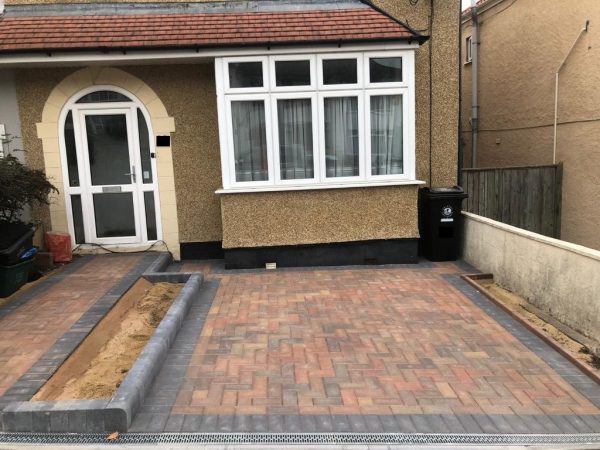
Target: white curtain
x=249 y=140
x=341 y=136
x=295 y=138
x=386 y=135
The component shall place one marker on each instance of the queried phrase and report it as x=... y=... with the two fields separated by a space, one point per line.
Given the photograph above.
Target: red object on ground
x=59 y=244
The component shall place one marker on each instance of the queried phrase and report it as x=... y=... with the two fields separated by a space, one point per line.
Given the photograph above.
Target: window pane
x=385 y=70
x=295 y=138
x=150 y=215
x=292 y=73
x=341 y=136
x=144 y=148
x=108 y=149
x=386 y=135
x=340 y=71
x=245 y=75
x=249 y=140
x=114 y=214
x=71 y=150
x=103 y=97
x=77 y=219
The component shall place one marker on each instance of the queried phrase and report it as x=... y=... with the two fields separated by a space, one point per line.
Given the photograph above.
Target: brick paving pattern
x=29 y=330
x=362 y=341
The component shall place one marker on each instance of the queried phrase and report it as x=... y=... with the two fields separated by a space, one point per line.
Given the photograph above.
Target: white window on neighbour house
x=316 y=120
x=468 y=49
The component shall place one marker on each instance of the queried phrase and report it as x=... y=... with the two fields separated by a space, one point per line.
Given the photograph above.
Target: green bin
x=13 y=277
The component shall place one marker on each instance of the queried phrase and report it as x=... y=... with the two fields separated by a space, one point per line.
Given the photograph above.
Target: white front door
x=117 y=192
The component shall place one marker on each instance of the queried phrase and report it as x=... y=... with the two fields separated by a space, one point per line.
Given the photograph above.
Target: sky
x=466 y=4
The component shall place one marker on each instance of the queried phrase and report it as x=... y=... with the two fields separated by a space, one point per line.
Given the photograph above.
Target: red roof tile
x=196 y=30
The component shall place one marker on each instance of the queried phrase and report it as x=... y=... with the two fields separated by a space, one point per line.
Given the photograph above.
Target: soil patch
x=522 y=308
x=107 y=369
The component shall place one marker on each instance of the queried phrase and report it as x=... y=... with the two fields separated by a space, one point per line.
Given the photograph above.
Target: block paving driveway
x=364 y=349
x=372 y=349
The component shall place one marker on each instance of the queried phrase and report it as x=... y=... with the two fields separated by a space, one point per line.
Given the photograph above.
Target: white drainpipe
x=556 y=75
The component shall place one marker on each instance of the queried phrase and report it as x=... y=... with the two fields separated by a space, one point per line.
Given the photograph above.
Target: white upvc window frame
x=313 y=73
x=312 y=96
x=408 y=168
x=330 y=87
x=268 y=137
x=242 y=59
x=393 y=84
x=361 y=134
x=468 y=49
x=317 y=91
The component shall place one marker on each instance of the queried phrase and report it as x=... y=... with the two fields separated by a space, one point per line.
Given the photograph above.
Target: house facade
x=522 y=46
x=275 y=131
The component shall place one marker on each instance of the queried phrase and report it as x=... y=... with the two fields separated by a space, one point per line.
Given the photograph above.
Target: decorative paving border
x=304 y=438
x=397 y=423
x=111 y=414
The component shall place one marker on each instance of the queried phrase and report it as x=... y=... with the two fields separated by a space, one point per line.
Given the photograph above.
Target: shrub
x=20 y=186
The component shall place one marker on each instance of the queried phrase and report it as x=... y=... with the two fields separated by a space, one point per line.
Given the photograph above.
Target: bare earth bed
x=523 y=309
x=107 y=369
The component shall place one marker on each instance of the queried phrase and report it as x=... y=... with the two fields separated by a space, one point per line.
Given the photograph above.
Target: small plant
x=20 y=186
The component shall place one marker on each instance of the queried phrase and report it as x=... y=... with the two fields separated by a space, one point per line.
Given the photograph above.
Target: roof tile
x=45 y=33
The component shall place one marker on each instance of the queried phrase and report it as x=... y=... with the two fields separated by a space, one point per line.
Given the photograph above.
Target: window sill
x=312 y=187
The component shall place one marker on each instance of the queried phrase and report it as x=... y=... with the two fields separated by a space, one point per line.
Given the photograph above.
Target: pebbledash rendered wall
x=303 y=217
x=283 y=218
x=558 y=277
x=187 y=92
x=516 y=99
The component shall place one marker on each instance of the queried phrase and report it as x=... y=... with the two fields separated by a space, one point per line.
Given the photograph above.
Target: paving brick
x=174 y=423
x=192 y=423
x=469 y=423
x=407 y=327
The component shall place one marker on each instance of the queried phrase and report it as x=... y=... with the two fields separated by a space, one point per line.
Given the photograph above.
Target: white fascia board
x=181 y=56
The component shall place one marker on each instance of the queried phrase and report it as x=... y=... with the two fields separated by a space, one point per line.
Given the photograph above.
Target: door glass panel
x=77 y=219
x=144 y=148
x=71 y=151
x=114 y=214
x=108 y=149
x=150 y=215
x=103 y=97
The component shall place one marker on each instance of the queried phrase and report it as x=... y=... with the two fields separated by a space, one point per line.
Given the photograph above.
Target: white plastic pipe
x=556 y=77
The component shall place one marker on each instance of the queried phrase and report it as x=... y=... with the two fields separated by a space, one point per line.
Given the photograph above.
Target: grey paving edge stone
x=136 y=385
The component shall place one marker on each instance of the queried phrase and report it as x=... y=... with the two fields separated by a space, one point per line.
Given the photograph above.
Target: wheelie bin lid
x=454 y=191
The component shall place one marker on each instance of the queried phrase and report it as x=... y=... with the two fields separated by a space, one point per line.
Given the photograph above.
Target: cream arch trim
x=161 y=124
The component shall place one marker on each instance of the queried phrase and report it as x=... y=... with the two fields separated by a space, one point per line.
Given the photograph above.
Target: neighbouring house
x=538 y=61
x=294 y=132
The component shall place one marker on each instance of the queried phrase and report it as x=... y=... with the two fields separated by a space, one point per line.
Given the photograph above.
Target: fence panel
x=526 y=197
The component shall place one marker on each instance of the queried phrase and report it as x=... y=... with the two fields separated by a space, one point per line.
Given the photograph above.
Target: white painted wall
x=561 y=278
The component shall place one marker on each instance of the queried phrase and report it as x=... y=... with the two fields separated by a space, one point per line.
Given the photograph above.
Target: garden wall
x=560 y=278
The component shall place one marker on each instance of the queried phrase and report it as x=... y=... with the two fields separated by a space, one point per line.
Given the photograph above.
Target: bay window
x=316 y=120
